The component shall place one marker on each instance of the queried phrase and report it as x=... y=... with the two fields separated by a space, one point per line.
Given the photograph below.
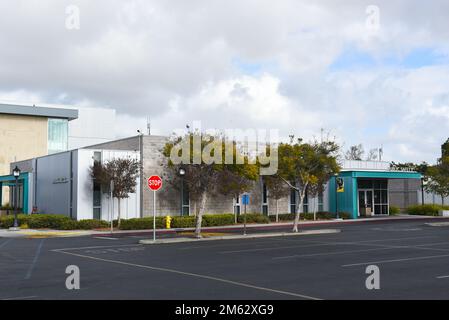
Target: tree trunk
x=199 y=218
x=301 y=195
x=119 y=216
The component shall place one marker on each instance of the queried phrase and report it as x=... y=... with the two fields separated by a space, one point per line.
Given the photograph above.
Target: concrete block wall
x=404 y=192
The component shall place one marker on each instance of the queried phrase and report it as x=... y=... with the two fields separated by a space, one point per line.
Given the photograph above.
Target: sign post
x=245 y=200
x=154 y=183
x=112 y=206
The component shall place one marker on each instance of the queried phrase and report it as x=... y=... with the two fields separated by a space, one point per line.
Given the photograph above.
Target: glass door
x=366 y=203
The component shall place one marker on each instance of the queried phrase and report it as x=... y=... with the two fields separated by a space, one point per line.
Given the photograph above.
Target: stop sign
x=155 y=183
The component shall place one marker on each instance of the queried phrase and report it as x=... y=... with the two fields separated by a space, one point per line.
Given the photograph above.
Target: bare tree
x=355 y=152
x=122 y=172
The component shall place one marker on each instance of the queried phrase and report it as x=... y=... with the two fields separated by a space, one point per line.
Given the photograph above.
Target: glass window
x=97 y=201
x=320 y=202
x=185 y=200
x=58 y=132
x=306 y=203
x=293 y=201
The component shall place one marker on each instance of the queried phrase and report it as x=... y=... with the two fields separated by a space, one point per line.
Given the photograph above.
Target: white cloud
x=174 y=61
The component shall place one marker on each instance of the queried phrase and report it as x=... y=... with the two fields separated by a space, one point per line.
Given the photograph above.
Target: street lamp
x=16 y=173
x=336 y=196
x=182 y=173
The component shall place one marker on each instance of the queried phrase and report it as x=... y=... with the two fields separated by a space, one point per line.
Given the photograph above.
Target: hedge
x=394 y=210
x=253 y=218
x=310 y=216
x=142 y=223
x=215 y=220
x=426 y=210
x=56 y=222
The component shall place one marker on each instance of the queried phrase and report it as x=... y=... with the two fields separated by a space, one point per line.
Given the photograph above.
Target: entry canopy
x=382 y=174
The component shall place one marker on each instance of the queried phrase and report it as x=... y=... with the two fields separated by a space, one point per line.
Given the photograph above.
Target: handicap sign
x=245 y=199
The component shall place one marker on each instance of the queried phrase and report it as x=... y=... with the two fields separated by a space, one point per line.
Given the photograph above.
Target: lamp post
x=16 y=173
x=182 y=173
x=336 y=196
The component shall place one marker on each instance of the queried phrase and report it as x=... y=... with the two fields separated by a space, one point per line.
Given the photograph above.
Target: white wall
x=93 y=126
x=130 y=208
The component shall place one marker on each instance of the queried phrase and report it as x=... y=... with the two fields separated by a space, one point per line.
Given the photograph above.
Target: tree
x=277 y=190
x=304 y=164
x=202 y=156
x=373 y=155
x=122 y=172
x=438 y=178
x=355 y=152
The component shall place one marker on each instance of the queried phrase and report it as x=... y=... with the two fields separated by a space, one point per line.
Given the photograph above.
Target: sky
x=370 y=73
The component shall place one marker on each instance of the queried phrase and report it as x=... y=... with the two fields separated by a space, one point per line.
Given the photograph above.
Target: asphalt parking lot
x=413 y=259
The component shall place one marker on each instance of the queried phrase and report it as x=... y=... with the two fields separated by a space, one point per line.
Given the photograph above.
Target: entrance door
x=366 y=207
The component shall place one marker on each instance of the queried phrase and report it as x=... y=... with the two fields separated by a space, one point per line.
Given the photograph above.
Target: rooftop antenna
x=149 y=125
x=381 y=152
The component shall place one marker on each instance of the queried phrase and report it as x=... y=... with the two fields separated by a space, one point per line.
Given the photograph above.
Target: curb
x=236 y=237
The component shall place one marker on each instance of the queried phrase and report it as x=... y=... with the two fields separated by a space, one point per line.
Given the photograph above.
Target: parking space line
x=236 y=283
x=5 y=243
x=106 y=238
x=97 y=247
x=394 y=260
x=19 y=298
x=36 y=257
x=275 y=248
x=329 y=253
x=442 y=277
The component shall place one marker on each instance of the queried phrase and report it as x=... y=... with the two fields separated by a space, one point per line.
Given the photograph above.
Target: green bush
x=394 y=210
x=214 y=220
x=426 y=210
x=253 y=218
x=183 y=222
x=142 y=223
x=92 y=224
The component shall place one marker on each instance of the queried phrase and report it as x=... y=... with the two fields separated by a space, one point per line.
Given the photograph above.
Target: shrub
x=426 y=210
x=142 y=223
x=213 y=220
x=92 y=224
x=394 y=210
x=183 y=222
x=253 y=218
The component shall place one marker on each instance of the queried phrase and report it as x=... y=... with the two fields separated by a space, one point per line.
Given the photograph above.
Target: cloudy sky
x=296 y=66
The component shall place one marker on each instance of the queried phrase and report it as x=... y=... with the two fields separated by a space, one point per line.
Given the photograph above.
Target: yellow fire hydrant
x=168 y=220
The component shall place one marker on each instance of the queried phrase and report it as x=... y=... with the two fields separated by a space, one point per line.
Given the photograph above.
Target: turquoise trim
x=348 y=201
x=10 y=180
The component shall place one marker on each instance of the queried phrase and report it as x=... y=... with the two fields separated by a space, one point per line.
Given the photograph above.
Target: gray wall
x=404 y=192
x=52 y=191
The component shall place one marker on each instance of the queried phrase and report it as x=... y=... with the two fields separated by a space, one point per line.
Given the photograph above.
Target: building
x=61 y=184
x=29 y=131
x=370 y=188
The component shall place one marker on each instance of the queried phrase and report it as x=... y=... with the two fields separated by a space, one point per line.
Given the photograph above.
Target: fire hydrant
x=168 y=220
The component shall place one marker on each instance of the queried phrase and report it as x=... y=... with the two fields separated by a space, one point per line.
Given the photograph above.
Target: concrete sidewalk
x=30 y=233
x=235 y=237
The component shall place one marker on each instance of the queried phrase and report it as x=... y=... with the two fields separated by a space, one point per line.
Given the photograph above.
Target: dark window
x=293 y=201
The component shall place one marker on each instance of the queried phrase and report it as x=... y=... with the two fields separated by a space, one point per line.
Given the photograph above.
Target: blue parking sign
x=245 y=199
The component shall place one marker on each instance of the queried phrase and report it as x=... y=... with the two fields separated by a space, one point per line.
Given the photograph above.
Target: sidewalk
x=256 y=227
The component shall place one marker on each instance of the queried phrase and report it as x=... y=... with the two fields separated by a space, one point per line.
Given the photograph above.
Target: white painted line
x=20 y=298
x=275 y=248
x=329 y=253
x=5 y=243
x=394 y=260
x=36 y=257
x=106 y=238
x=195 y=275
x=442 y=277
x=97 y=247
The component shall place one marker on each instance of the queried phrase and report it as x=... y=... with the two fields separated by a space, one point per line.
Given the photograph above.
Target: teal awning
x=382 y=174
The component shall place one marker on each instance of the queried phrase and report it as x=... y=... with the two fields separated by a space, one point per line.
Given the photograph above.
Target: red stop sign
x=155 y=183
